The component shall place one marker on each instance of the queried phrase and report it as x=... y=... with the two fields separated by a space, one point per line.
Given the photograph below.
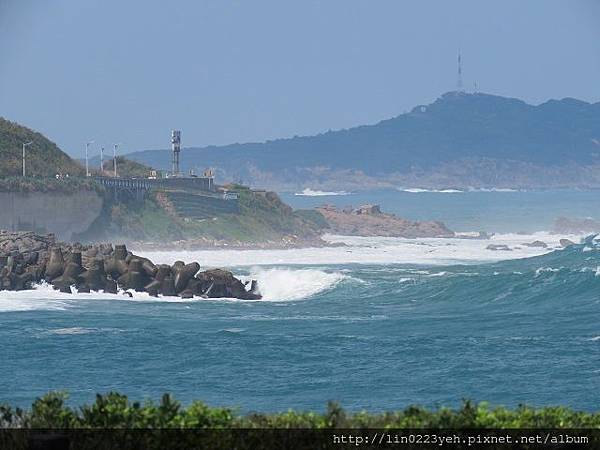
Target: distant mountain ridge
x=460 y=140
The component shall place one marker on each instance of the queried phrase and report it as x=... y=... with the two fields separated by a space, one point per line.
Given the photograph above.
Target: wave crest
x=311 y=193
x=287 y=284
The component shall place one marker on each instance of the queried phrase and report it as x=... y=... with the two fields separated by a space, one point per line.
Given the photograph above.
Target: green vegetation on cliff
x=43 y=158
x=126 y=168
x=62 y=185
x=115 y=410
x=262 y=216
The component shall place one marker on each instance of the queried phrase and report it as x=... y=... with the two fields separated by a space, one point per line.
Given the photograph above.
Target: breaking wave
x=311 y=193
x=287 y=284
x=437 y=191
x=276 y=285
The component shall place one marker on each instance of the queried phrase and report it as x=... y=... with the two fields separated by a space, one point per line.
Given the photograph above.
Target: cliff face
x=64 y=214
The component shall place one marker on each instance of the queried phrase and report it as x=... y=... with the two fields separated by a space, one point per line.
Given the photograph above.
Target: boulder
x=539 y=244
x=56 y=264
x=185 y=274
x=566 y=242
x=499 y=247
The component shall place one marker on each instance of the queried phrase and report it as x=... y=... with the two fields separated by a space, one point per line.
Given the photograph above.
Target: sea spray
x=289 y=284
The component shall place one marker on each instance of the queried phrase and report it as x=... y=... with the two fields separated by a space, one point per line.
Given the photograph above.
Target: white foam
x=43 y=297
x=73 y=330
x=374 y=250
x=310 y=193
x=288 y=284
x=471 y=189
x=276 y=285
x=437 y=191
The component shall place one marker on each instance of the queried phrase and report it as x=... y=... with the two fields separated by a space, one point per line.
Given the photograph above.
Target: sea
x=377 y=324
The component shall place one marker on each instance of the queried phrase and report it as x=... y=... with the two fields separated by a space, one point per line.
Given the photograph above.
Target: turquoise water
x=373 y=336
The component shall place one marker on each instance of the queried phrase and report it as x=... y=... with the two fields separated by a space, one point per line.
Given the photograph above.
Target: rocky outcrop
x=499 y=247
x=564 y=225
x=566 y=243
x=536 y=244
x=27 y=259
x=368 y=220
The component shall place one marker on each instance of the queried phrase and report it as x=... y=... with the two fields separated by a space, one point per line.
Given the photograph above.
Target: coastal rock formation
x=369 y=220
x=564 y=225
x=566 y=242
x=499 y=247
x=27 y=259
x=538 y=244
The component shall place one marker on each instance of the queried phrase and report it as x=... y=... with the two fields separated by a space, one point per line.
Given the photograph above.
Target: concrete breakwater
x=27 y=259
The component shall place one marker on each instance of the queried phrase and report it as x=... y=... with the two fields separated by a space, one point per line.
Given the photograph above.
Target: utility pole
x=25 y=144
x=87 y=148
x=115 y=159
x=101 y=160
x=459 y=80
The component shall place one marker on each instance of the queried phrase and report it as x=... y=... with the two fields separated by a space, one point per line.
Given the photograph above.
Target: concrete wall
x=61 y=214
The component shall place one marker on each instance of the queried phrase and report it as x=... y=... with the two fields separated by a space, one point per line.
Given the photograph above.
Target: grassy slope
x=261 y=217
x=126 y=168
x=43 y=157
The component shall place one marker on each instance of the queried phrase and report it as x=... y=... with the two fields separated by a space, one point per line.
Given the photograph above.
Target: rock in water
x=499 y=247
x=539 y=244
x=566 y=242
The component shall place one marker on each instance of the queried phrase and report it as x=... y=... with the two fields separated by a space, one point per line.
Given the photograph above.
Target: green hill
x=43 y=157
x=126 y=168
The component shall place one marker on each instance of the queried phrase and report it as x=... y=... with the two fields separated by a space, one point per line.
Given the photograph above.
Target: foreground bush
x=116 y=411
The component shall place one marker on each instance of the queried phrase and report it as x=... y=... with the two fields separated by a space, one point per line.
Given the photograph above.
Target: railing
x=125 y=183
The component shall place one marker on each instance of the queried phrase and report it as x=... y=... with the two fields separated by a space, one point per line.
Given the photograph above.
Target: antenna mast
x=459 y=81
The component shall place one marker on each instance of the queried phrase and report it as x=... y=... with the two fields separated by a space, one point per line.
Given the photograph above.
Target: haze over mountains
x=461 y=140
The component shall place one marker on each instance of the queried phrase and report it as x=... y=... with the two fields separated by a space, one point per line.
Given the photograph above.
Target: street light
x=101 y=160
x=115 y=158
x=87 y=147
x=25 y=144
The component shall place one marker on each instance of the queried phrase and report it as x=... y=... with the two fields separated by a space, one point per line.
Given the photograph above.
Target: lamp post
x=25 y=144
x=115 y=159
x=87 y=148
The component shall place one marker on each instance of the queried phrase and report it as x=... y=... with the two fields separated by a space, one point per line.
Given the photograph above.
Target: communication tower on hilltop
x=459 y=80
x=176 y=146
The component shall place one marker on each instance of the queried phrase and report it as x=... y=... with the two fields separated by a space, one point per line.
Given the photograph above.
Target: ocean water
x=379 y=324
x=488 y=210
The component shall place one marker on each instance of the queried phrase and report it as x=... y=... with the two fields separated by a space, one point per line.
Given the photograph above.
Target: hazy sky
x=227 y=71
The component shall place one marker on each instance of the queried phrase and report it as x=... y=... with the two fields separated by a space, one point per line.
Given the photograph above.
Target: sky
x=226 y=71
